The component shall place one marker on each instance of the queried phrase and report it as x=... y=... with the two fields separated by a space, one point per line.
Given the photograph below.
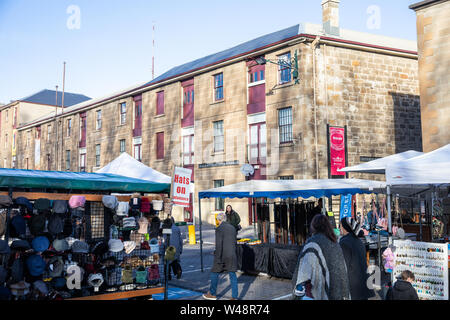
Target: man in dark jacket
x=403 y=289
x=225 y=258
x=355 y=259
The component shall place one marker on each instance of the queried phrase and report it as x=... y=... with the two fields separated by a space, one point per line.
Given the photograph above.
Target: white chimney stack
x=330 y=17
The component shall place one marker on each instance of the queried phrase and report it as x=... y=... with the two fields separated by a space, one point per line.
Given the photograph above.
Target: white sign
x=181 y=181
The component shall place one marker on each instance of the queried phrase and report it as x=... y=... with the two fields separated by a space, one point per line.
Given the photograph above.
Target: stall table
x=123 y=294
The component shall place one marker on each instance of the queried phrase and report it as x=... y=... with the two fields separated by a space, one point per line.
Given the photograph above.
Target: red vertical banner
x=337 y=150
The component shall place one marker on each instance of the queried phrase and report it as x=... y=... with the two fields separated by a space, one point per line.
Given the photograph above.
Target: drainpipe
x=314 y=44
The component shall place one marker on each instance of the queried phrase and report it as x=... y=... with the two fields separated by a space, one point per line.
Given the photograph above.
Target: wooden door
x=188 y=104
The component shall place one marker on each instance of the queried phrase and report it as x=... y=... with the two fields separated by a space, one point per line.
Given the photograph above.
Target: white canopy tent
x=126 y=165
x=378 y=166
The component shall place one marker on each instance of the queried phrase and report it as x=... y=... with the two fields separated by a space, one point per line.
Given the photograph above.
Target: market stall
x=65 y=236
x=284 y=189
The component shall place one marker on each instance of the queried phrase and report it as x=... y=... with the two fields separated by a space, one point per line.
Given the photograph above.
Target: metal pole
x=388 y=200
x=420 y=217
x=200 y=230
x=166 y=267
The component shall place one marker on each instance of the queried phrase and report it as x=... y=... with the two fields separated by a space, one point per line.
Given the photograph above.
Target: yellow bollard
x=191 y=230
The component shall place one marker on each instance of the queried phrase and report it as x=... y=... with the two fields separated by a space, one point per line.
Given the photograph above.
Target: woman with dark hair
x=322 y=273
x=233 y=218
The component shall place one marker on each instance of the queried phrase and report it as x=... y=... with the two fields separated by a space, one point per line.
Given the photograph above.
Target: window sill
x=122 y=125
x=256 y=83
x=219 y=153
x=284 y=85
x=217 y=102
x=159 y=116
x=286 y=144
x=159 y=160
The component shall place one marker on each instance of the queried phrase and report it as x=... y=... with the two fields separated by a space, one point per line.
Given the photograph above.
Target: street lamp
x=293 y=64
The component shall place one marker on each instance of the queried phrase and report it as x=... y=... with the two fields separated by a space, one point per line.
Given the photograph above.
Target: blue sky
x=112 y=49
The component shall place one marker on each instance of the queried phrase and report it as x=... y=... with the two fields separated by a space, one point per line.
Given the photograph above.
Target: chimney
x=330 y=17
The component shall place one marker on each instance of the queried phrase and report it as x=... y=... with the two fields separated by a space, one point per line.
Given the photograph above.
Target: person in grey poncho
x=321 y=269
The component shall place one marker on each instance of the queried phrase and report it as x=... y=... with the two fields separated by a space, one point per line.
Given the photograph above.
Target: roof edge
x=424 y=4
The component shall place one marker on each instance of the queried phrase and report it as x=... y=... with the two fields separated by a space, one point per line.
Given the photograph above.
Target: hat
x=115 y=245
x=70 y=241
x=2 y=223
x=95 y=279
x=42 y=204
x=145 y=205
x=154 y=246
x=55 y=266
x=21 y=245
x=22 y=201
x=100 y=248
x=351 y=225
x=21 y=288
x=5 y=201
x=77 y=201
x=36 y=265
x=60 y=245
x=40 y=244
x=4 y=248
x=122 y=208
x=129 y=246
x=137 y=238
x=110 y=202
x=60 y=206
x=19 y=225
x=401 y=233
x=55 y=224
x=37 y=224
x=129 y=222
x=80 y=247
x=135 y=203
x=170 y=253
x=143 y=225
x=77 y=213
x=41 y=287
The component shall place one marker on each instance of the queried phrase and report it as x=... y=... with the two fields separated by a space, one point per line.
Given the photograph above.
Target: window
x=6 y=115
x=83 y=162
x=67 y=160
x=6 y=140
x=218 y=136
x=69 y=127
x=285 y=124
x=188 y=150
x=284 y=68
x=49 y=132
x=98 y=124
x=286 y=177
x=257 y=76
x=218 y=87
x=122 y=146
x=220 y=203
x=123 y=112
x=97 y=155
x=160 y=145
x=160 y=103
x=138 y=152
x=28 y=144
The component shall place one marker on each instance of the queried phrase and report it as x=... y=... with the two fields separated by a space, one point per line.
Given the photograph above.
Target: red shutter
x=160 y=103
x=160 y=145
x=188 y=103
x=256 y=94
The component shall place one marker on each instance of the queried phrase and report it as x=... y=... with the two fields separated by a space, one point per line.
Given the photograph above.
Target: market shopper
x=355 y=259
x=403 y=289
x=233 y=218
x=225 y=258
x=321 y=268
x=177 y=242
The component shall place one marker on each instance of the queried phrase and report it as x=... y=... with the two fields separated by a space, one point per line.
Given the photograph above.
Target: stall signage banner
x=346 y=206
x=181 y=180
x=337 y=150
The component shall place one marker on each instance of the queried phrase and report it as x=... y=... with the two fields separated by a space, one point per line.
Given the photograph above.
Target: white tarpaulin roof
x=126 y=165
x=430 y=168
x=294 y=188
x=379 y=165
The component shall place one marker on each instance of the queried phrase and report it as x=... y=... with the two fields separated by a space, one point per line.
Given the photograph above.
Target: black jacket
x=225 y=257
x=402 y=290
x=355 y=259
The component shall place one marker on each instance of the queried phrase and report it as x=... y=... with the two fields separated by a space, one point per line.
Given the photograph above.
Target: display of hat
x=95 y=279
x=80 y=247
x=58 y=283
x=37 y=224
x=60 y=245
x=55 y=266
x=60 y=206
x=21 y=288
x=127 y=274
x=122 y=208
x=170 y=253
x=5 y=201
x=17 y=270
x=36 y=265
x=4 y=248
x=135 y=203
x=115 y=245
x=145 y=205
x=2 y=223
x=145 y=245
x=129 y=222
x=41 y=286
x=157 y=205
x=110 y=202
x=42 y=204
x=143 y=225
x=129 y=246
x=154 y=245
x=77 y=201
x=40 y=244
x=137 y=238
x=21 y=245
x=24 y=202
x=77 y=213
x=153 y=273
x=114 y=276
x=55 y=225
x=19 y=226
x=141 y=275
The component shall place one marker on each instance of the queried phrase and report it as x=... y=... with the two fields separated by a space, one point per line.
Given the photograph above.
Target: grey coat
x=225 y=257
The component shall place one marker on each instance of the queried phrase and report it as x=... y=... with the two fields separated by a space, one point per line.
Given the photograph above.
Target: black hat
x=20 y=245
x=22 y=201
x=42 y=204
x=19 y=226
x=37 y=224
x=55 y=225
